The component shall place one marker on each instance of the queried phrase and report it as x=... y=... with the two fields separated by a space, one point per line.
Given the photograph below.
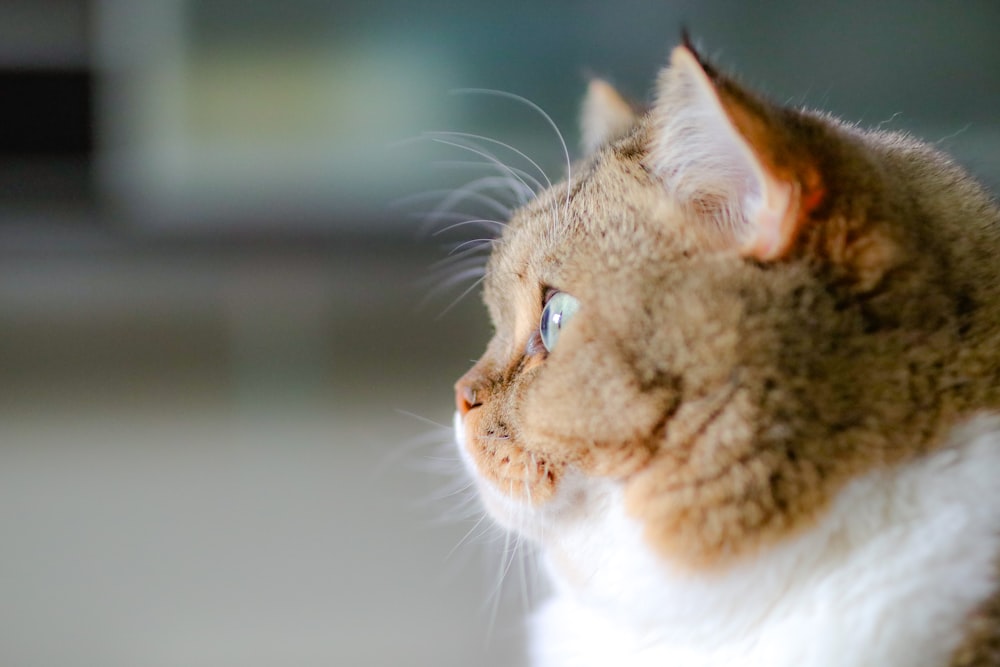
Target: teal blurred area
x=226 y=348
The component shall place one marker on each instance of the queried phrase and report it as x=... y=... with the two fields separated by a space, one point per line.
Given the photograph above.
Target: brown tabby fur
x=734 y=390
x=981 y=647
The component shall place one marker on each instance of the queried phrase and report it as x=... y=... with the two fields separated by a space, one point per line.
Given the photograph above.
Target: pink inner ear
x=780 y=218
x=701 y=154
x=775 y=222
x=605 y=116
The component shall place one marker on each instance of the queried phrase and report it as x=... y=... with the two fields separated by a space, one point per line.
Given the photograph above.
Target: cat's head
x=729 y=311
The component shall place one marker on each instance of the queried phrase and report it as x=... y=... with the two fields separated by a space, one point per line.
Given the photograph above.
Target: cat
x=743 y=390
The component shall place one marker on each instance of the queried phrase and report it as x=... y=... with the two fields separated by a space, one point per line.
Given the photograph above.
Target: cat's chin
x=507 y=512
x=533 y=521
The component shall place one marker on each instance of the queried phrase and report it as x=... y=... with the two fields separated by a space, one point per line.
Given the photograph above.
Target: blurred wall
x=195 y=116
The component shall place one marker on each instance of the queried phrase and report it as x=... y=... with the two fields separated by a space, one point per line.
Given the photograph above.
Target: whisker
x=535 y=185
x=466 y=142
x=531 y=192
x=461 y=220
x=475 y=267
x=431 y=422
x=478 y=150
x=478 y=245
x=547 y=117
x=463 y=295
x=471 y=191
x=498 y=183
x=451 y=271
x=406 y=448
x=467 y=535
x=468 y=510
x=460 y=504
x=522 y=574
x=462 y=223
x=454 y=262
x=435 y=286
x=522 y=195
x=451 y=196
x=406 y=200
x=494 y=595
x=442 y=216
x=459 y=489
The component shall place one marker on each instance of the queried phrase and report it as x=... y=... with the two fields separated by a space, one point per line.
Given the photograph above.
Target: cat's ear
x=605 y=116
x=729 y=156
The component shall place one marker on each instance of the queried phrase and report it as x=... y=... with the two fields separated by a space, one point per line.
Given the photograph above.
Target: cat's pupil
x=557 y=312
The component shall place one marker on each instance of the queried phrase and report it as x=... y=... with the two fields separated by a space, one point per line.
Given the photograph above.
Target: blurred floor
x=207 y=458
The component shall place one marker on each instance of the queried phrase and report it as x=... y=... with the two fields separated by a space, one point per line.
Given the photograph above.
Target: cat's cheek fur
x=589 y=407
x=910 y=547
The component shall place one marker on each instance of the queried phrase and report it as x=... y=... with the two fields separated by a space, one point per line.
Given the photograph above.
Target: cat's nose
x=467 y=396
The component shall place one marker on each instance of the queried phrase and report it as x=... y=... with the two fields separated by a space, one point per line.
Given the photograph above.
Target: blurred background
x=226 y=363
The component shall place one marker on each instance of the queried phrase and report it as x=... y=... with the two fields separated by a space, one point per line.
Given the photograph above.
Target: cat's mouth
x=511 y=480
x=571 y=503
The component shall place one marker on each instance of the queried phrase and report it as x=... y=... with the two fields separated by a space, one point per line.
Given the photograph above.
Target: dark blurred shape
x=47 y=113
x=47 y=141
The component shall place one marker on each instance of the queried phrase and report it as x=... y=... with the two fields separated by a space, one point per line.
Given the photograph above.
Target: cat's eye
x=559 y=309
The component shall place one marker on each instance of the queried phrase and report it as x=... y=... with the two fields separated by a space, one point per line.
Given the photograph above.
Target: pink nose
x=465 y=397
x=470 y=390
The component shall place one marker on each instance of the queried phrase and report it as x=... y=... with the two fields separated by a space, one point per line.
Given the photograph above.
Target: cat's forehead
x=612 y=218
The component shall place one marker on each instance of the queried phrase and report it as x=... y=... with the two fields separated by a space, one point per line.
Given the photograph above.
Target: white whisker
x=500 y=184
x=535 y=185
x=467 y=142
x=463 y=295
x=451 y=197
x=471 y=191
x=525 y=597
x=468 y=534
x=478 y=245
x=480 y=221
x=463 y=141
x=467 y=509
x=459 y=489
x=494 y=595
x=454 y=270
x=480 y=151
x=405 y=449
x=442 y=216
x=455 y=262
x=476 y=269
x=547 y=117
x=406 y=413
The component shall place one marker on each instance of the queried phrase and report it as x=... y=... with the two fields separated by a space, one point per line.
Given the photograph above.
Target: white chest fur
x=886 y=578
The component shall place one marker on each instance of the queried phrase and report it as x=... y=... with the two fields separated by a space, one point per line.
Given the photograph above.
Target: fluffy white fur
x=886 y=578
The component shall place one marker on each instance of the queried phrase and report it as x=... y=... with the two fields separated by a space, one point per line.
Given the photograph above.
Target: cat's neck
x=888 y=576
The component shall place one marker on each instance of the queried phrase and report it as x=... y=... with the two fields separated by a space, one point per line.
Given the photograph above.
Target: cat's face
x=730 y=311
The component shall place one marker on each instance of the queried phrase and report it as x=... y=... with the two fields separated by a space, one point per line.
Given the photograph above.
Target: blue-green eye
x=557 y=312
